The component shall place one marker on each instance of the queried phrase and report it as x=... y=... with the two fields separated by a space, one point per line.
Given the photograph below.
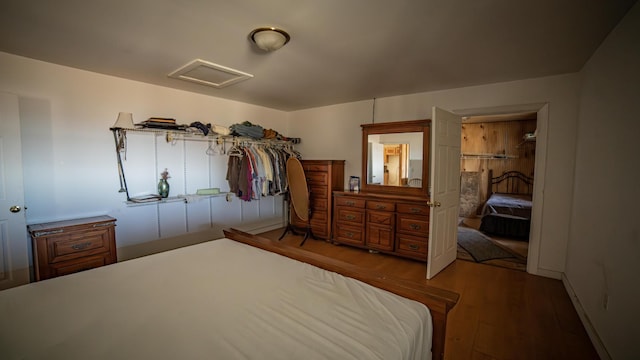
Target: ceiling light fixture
x=269 y=38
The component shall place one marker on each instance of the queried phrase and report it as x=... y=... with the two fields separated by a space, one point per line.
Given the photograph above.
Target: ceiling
x=340 y=50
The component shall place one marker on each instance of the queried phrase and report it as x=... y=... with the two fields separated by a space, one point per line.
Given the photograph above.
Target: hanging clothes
x=258 y=170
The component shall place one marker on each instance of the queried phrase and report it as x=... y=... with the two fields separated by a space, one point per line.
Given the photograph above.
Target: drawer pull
x=349 y=234
x=415 y=226
x=81 y=246
x=350 y=217
x=415 y=210
x=350 y=203
x=414 y=247
x=380 y=206
x=43 y=233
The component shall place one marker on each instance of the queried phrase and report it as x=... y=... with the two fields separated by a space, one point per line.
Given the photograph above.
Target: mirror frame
x=423 y=126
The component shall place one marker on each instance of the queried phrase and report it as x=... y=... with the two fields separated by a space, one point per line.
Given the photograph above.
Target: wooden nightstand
x=66 y=247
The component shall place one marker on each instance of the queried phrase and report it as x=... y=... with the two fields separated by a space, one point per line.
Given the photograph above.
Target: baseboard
x=591 y=331
x=546 y=273
x=260 y=228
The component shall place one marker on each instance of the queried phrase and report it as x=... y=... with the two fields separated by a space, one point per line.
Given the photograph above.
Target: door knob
x=434 y=203
x=15 y=208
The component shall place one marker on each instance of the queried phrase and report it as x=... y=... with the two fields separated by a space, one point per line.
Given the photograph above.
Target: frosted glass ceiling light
x=269 y=38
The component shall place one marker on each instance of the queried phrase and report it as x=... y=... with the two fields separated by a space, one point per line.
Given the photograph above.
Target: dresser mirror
x=395 y=157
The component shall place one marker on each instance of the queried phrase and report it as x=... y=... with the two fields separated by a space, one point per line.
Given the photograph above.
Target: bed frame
x=439 y=301
x=510 y=182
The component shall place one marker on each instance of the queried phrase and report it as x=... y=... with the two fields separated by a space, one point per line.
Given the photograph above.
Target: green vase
x=163 y=188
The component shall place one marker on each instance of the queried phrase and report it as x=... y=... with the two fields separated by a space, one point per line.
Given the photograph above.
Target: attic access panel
x=209 y=74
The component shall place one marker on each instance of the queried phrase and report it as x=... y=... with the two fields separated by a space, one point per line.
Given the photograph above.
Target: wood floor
x=502 y=313
x=518 y=248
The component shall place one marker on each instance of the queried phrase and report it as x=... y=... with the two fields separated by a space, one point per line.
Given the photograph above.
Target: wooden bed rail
x=439 y=301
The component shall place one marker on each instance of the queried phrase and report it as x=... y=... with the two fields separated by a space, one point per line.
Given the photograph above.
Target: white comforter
x=216 y=300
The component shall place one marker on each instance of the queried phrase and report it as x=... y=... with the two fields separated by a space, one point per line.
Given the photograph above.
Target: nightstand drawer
x=78 y=244
x=77 y=265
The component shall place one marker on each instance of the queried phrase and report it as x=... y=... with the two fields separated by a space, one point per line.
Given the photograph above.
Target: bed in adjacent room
x=507 y=211
x=239 y=297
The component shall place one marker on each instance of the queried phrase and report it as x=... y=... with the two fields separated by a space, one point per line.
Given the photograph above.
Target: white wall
x=334 y=132
x=70 y=160
x=604 y=245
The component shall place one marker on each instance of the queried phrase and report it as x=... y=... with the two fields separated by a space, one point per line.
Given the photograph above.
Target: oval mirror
x=298 y=191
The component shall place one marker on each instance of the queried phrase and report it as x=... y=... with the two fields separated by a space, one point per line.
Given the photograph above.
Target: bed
x=507 y=211
x=239 y=297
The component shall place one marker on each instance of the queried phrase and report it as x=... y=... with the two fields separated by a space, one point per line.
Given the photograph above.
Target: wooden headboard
x=510 y=182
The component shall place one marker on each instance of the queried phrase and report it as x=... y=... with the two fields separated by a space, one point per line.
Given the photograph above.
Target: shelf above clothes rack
x=181 y=135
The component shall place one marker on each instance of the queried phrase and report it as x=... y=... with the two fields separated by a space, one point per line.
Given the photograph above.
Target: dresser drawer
x=317 y=178
x=318 y=192
x=319 y=204
x=381 y=205
x=415 y=209
x=315 y=167
x=349 y=234
x=380 y=218
x=350 y=202
x=413 y=246
x=417 y=225
x=349 y=215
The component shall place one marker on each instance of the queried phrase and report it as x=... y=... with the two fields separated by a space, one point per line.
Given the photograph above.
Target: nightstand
x=70 y=246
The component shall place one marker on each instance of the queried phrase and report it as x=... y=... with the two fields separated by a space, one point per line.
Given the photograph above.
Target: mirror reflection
x=395 y=159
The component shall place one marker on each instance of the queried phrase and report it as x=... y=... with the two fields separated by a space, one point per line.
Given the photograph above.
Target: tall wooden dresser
x=323 y=177
x=66 y=247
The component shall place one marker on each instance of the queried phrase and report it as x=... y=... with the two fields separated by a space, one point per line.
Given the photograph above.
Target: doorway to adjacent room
x=493 y=146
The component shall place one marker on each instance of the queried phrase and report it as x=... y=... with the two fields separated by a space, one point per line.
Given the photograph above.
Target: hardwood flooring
x=502 y=313
x=519 y=248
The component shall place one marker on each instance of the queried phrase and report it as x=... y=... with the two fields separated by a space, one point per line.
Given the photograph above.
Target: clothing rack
x=172 y=136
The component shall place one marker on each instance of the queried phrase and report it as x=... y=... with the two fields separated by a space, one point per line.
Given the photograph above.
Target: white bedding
x=215 y=300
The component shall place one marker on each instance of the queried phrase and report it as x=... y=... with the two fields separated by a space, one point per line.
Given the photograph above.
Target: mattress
x=509 y=204
x=507 y=215
x=220 y=299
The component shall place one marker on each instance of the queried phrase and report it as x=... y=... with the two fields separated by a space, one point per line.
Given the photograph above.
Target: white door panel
x=14 y=249
x=445 y=190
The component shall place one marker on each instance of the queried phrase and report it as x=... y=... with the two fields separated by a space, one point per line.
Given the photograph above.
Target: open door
x=446 y=129
x=14 y=251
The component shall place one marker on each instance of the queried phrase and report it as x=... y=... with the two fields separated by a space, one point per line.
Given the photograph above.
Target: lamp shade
x=124 y=121
x=269 y=38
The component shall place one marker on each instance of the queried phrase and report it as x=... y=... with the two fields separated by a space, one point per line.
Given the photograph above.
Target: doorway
x=493 y=146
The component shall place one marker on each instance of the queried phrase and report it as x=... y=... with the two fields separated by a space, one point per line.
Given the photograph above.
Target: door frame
x=14 y=244
x=542 y=114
